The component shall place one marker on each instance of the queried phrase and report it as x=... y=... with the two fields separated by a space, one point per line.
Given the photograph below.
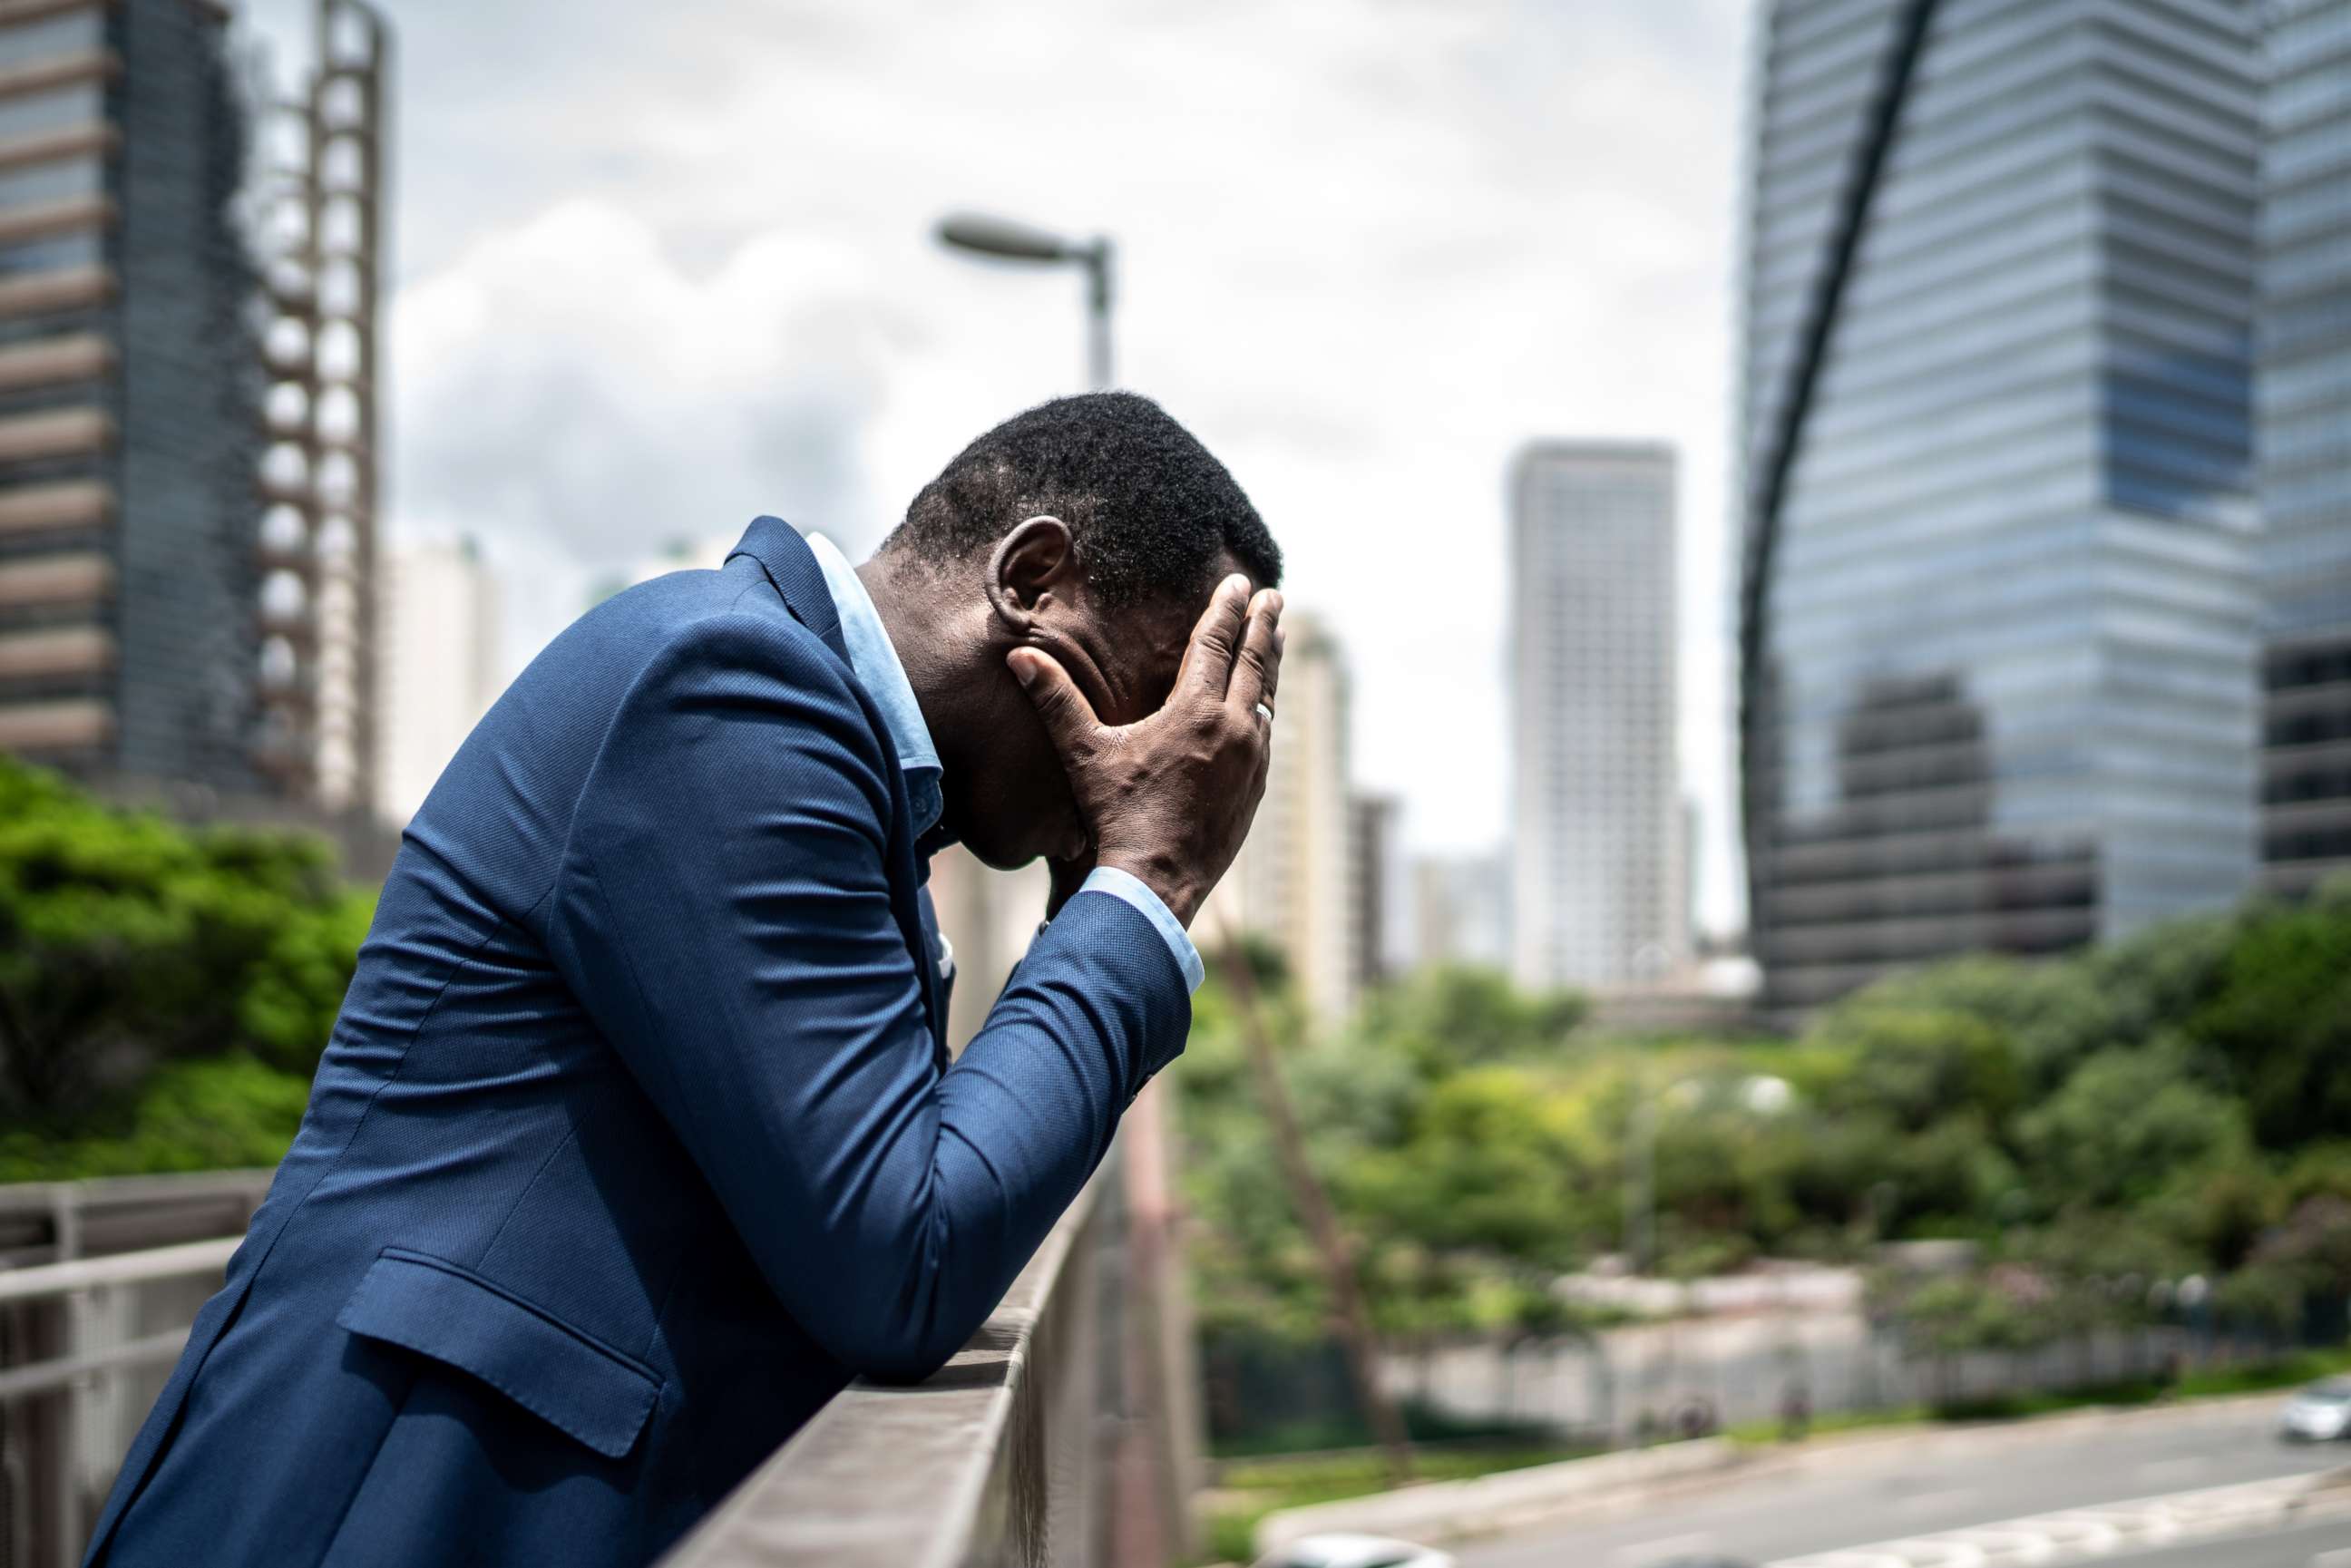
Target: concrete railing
x=1031 y=1449
x=1007 y=1456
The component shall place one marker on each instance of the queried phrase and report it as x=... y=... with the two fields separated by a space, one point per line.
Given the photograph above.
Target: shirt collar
x=875 y=664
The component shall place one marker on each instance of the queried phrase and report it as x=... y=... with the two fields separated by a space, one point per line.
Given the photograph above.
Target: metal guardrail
x=98 y=1283
x=66 y=1282
x=47 y=1222
x=1008 y=1456
x=125 y=1269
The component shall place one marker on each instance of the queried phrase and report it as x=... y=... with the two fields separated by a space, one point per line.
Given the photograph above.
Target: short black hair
x=1151 y=510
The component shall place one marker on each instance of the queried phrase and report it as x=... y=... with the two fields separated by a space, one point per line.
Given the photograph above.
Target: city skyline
x=620 y=318
x=1445 y=791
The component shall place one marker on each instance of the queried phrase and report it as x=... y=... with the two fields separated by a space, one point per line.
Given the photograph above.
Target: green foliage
x=1920 y=1064
x=1246 y=1493
x=219 y=1114
x=2100 y=1127
x=1976 y=1312
x=2281 y=1020
x=2123 y=1126
x=141 y=962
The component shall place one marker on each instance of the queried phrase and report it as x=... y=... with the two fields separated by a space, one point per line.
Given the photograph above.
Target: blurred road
x=1838 y=1499
x=2325 y=1544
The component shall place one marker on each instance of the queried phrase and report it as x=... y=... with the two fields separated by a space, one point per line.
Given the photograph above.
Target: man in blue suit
x=638 y=1136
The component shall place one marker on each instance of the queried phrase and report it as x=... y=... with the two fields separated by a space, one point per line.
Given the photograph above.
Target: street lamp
x=1004 y=240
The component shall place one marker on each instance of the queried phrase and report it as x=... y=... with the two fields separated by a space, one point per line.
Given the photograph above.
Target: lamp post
x=1001 y=239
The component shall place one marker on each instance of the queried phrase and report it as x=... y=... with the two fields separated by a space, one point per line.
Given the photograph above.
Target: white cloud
x=667 y=266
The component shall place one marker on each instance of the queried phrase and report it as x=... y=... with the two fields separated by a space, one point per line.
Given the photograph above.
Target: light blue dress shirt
x=878 y=670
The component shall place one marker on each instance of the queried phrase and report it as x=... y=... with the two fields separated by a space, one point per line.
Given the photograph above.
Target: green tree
x=1920 y=1065
x=2053 y=1014
x=127 y=942
x=217 y=1115
x=1450 y=1017
x=2123 y=1127
x=2281 y=1018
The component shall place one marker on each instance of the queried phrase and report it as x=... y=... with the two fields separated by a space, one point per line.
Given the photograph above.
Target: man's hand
x=1169 y=799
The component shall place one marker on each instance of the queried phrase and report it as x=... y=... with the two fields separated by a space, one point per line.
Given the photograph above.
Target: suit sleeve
x=725 y=914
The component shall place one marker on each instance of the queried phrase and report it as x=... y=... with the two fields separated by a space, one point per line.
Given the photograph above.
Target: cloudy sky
x=663 y=266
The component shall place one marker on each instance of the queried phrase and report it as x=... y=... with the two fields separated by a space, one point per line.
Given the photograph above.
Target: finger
x=1255 y=666
x=1068 y=717
x=1208 y=658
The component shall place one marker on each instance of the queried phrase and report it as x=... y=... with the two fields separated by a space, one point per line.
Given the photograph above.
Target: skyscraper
x=185 y=515
x=1296 y=881
x=1596 y=891
x=1998 y=614
x=439 y=612
x=2305 y=396
x=129 y=396
x=1461 y=911
x=1375 y=859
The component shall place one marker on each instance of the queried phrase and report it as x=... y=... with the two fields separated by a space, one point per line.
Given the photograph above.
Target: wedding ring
x=1265 y=712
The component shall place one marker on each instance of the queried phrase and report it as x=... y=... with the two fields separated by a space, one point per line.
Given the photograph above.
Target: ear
x=1035 y=562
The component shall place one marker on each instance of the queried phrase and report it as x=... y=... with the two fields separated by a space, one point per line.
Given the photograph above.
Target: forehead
x=1153 y=634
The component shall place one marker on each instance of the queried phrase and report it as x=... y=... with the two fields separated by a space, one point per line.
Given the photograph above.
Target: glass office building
x=1999 y=615
x=2304 y=400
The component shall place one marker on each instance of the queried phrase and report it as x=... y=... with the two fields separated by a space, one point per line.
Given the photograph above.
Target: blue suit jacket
x=637 y=1136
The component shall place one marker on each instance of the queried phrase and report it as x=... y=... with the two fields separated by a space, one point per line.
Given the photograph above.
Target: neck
x=927 y=648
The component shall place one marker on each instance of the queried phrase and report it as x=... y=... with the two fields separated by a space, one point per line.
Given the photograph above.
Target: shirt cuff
x=1121 y=886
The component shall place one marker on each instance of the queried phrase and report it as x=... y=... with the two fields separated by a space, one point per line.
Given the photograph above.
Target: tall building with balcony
x=1998 y=616
x=2304 y=400
x=157 y=631
x=129 y=396
x=322 y=209
x=1597 y=891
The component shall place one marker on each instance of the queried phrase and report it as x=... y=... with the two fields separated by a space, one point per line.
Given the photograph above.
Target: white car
x=1354 y=1552
x=2318 y=1414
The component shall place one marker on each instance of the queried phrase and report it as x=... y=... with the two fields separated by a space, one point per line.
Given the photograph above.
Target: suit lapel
x=792 y=570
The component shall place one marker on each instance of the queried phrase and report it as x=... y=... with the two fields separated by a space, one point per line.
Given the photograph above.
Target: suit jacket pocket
x=445 y=1311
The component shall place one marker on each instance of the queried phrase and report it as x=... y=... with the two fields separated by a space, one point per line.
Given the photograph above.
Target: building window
x=79 y=32
x=45 y=182
x=75 y=108
x=54 y=254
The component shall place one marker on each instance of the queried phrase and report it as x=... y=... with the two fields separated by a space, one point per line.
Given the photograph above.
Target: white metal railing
x=85 y=1342
x=53 y=1280
x=66 y=1282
